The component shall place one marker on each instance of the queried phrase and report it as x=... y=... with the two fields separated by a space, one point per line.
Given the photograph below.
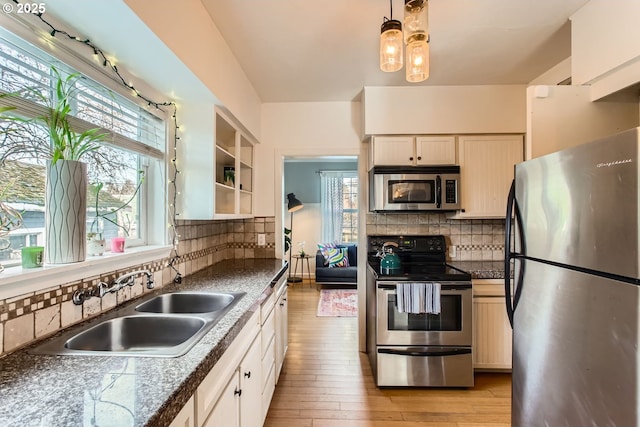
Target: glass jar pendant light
x=416 y=37
x=391 y=55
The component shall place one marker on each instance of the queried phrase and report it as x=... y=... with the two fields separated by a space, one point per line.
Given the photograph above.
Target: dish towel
x=418 y=297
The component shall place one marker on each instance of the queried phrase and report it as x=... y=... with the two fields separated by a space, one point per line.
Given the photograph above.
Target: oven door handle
x=427 y=353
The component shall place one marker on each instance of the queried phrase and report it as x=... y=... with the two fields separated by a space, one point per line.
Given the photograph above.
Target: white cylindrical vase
x=65 y=212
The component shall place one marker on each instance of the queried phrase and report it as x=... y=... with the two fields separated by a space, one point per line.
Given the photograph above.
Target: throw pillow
x=338 y=257
x=324 y=248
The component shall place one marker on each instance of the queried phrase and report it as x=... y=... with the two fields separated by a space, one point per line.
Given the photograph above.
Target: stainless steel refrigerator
x=572 y=242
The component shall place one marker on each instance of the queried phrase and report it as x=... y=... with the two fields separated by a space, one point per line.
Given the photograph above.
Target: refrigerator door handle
x=508 y=255
x=513 y=218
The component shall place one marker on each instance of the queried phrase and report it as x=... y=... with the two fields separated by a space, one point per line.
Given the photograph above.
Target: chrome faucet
x=103 y=288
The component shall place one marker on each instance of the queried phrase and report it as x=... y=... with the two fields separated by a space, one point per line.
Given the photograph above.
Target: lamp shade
x=416 y=34
x=391 y=55
x=293 y=204
x=417 y=60
x=416 y=18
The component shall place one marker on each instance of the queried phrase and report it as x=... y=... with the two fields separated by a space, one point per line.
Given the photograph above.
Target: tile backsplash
x=475 y=239
x=29 y=317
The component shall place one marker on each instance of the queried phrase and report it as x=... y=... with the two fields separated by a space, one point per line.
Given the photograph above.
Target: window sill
x=15 y=281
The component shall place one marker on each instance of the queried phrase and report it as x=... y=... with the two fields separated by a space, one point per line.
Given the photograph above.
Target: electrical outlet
x=453 y=251
x=262 y=240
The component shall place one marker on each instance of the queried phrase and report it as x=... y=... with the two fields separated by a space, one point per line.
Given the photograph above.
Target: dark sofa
x=338 y=275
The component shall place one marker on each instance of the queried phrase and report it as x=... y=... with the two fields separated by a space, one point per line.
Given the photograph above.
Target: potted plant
x=63 y=149
x=109 y=212
x=10 y=219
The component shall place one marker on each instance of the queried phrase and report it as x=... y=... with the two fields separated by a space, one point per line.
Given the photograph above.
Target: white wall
x=444 y=109
x=605 y=45
x=187 y=29
x=604 y=35
x=556 y=74
x=306 y=228
x=563 y=116
x=300 y=129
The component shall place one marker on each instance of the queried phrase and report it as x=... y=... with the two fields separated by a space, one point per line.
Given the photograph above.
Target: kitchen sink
x=137 y=333
x=165 y=325
x=187 y=302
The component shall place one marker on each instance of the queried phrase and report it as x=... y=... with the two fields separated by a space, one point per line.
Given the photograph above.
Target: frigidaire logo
x=614 y=163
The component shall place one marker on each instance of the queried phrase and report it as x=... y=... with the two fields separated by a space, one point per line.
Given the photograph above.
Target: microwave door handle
x=438 y=192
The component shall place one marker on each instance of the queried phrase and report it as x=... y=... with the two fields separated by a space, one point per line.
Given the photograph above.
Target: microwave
x=422 y=188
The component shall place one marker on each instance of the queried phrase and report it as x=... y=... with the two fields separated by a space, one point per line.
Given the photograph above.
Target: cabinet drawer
x=267 y=392
x=268 y=362
x=267 y=307
x=268 y=331
x=212 y=386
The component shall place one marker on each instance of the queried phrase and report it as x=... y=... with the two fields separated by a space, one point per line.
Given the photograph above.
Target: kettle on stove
x=390 y=261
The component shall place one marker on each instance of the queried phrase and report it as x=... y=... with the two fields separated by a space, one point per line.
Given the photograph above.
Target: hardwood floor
x=327 y=382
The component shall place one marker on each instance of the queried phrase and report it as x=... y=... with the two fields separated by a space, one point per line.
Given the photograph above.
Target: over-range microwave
x=422 y=188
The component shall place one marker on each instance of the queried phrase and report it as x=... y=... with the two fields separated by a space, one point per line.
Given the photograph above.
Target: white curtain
x=331 y=205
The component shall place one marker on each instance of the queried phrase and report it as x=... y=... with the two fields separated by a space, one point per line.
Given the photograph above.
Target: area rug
x=338 y=303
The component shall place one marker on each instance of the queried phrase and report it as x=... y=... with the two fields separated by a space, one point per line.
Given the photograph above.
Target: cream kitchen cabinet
x=412 y=150
x=186 y=417
x=282 y=327
x=268 y=354
x=486 y=171
x=231 y=391
x=216 y=177
x=492 y=335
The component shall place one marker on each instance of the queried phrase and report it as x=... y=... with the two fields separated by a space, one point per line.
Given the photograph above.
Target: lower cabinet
x=228 y=395
x=226 y=412
x=237 y=392
x=268 y=356
x=282 y=329
x=186 y=417
x=236 y=406
x=492 y=333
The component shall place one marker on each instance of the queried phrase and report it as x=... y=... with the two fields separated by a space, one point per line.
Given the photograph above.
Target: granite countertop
x=481 y=269
x=51 y=391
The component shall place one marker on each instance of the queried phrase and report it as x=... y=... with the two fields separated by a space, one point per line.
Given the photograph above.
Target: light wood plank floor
x=327 y=382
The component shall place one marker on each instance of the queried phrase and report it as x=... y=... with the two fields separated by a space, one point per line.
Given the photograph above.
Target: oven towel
x=418 y=297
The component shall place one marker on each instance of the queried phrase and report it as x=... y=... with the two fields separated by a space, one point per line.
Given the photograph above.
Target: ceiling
x=327 y=50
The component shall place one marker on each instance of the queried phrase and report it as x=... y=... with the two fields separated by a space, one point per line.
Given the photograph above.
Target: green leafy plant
x=110 y=215
x=287 y=239
x=61 y=141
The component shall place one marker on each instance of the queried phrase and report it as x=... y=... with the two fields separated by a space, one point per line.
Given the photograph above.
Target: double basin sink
x=165 y=325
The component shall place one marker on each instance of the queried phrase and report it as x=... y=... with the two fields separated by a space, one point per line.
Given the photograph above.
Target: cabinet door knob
x=419 y=157
x=237 y=392
x=247 y=374
x=411 y=158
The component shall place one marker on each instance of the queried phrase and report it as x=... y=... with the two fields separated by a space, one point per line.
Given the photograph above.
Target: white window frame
x=324 y=175
x=15 y=281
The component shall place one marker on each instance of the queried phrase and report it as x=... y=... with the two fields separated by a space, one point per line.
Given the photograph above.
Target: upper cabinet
x=486 y=171
x=234 y=170
x=412 y=151
x=217 y=173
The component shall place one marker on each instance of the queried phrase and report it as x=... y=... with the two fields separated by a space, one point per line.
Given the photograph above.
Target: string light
x=109 y=63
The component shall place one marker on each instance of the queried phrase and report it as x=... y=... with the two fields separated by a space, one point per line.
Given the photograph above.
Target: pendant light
x=391 y=55
x=416 y=36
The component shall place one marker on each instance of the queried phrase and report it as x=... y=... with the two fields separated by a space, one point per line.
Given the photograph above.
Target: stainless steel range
x=411 y=347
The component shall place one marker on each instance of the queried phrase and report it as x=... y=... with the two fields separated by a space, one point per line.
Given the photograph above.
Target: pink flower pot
x=117 y=244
